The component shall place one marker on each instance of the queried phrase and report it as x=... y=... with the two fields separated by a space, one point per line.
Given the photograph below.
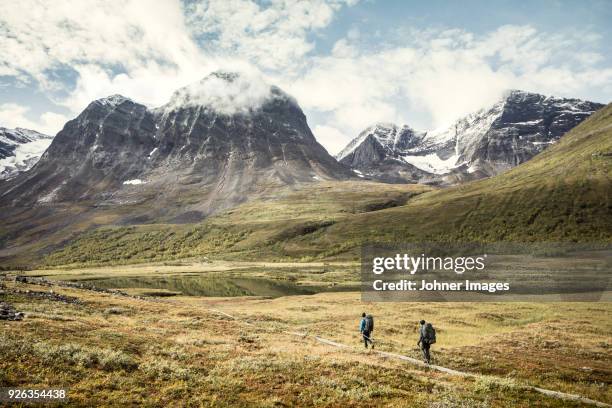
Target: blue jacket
x=362 y=325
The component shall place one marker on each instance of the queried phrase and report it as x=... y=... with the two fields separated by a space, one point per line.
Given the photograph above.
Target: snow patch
x=472 y=169
x=113 y=100
x=134 y=182
x=51 y=196
x=531 y=122
x=432 y=163
x=25 y=156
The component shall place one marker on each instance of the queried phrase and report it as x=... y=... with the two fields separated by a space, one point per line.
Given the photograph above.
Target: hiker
x=427 y=337
x=366 y=327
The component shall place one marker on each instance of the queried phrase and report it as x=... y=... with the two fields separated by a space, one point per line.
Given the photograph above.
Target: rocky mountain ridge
x=214 y=144
x=488 y=142
x=20 y=149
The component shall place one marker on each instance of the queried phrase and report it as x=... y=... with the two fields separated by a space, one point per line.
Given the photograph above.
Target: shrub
x=165 y=370
x=486 y=383
x=116 y=311
x=453 y=401
x=10 y=346
x=109 y=360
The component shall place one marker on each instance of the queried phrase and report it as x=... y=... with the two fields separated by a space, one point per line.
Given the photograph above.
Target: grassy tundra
x=181 y=350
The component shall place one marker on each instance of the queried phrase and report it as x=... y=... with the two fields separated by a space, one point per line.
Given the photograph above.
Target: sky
x=348 y=63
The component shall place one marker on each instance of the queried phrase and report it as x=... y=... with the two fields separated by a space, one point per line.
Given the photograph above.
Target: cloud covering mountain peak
x=227 y=92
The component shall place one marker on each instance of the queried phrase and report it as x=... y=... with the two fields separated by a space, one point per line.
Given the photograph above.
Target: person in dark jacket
x=365 y=330
x=424 y=343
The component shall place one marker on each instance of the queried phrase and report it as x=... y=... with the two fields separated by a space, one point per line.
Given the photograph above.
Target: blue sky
x=349 y=63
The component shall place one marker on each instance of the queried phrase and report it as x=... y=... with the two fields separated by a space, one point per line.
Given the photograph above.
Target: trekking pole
x=369 y=338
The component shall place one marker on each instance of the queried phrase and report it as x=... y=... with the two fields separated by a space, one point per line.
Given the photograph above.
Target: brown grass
x=124 y=351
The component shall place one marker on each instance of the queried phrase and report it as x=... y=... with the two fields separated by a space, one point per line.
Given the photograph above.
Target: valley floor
x=120 y=350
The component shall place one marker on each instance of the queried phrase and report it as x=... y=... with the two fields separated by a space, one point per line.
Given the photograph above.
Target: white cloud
x=228 y=93
x=151 y=84
x=13 y=115
x=274 y=36
x=436 y=77
x=331 y=138
x=38 y=37
x=423 y=78
x=114 y=46
x=146 y=53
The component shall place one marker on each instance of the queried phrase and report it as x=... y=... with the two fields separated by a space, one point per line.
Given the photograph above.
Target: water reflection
x=215 y=286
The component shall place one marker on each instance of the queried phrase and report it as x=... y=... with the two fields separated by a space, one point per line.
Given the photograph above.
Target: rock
x=7 y=312
x=50 y=296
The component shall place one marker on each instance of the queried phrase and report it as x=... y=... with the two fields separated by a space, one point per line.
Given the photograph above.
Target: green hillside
x=257 y=229
x=563 y=194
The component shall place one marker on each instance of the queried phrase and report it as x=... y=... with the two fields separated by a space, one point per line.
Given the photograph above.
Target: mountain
x=488 y=142
x=156 y=184
x=215 y=143
x=375 y=153
x=563 y=194
x=20 y=149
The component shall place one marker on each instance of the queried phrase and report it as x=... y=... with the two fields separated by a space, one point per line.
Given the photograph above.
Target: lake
x=195 y=285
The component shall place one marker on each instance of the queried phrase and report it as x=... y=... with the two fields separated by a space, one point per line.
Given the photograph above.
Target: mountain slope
x=90 y=155
x=208 y=145
x=564 y=193
x=374 y=153
x=20 y=149
x=215 y=144
x=485 y=143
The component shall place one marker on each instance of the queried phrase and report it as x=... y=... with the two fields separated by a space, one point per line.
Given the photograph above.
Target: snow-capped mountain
x=513 y=130
x=214 y=144
x=374 y=152
x=20 y=149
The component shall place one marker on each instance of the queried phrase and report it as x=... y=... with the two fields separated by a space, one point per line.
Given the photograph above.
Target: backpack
x=369 y=326
x=429 y=334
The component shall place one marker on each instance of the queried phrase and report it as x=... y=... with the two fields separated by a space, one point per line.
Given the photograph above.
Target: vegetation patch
x=300 y=230
x=69 y=353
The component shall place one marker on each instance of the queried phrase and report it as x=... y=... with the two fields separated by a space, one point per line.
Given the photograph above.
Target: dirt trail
x=551 y=393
